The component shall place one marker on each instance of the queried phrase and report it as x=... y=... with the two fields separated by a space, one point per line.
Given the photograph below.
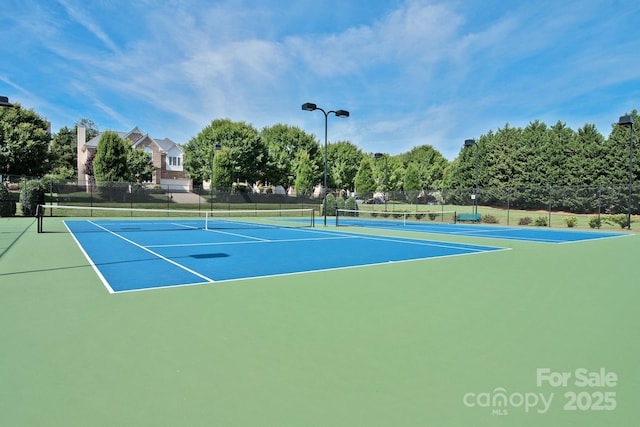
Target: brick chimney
x=81 y=138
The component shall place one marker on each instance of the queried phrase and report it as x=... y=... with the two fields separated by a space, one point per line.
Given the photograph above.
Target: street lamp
x=628 y=121
x=4 y=102
x=469 y=143
x=308 y=106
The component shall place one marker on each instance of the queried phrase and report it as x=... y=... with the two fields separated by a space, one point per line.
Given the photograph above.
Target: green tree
x=580 y=162
x=343 y=159
x=24 y=142
x=429 y=163
x=284 y=143
x=412 y=182
x=140 y=165
x=7 y=203
x=306 y=174
x=364 y=178
x=32 y=194
x=64 y=154
x=63 y=148
x=222 y=168
x=247 y=153
x=110 y=163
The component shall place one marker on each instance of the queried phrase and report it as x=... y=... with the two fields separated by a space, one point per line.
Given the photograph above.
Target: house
x=167 y=157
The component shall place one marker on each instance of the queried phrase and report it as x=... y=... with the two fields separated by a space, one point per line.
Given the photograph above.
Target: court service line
x=237 y=235
x=412 y=241
x=180 y=245
x=153 y=253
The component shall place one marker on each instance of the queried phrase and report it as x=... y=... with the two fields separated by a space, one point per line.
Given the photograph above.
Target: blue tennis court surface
x=530 y=234
x=135 y=254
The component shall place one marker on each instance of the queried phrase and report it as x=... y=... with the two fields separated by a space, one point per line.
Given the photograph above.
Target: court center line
x=153 y=253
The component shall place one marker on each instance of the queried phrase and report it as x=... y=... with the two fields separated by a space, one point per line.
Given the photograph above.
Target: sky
x=410 y=72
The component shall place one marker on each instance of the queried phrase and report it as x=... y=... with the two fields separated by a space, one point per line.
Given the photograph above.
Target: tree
x=7 y=203
x=284 y=143
x=140 y=166
x=412 y=182
x=32 y=194
x=306 y=174
x=63 y=148
x=110 y=163
x=247 y=152
x=429 y=164
x=222 y=167
x=343 y=159
x=24 y=142
x=64 y=154
x=364 y=178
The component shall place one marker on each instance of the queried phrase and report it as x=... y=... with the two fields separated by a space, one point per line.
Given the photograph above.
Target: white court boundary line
x=296 y=273
x=334 y=235
x=104 y=280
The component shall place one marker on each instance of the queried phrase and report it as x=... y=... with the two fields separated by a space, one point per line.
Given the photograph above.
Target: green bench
x=468 y=217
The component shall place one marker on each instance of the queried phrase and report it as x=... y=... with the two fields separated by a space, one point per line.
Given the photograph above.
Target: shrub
x=433 y=216
x=329 y=205
x=157 y=189
x=352 y=205
x=489 y=219
x=525 y=220
x=571 y=221
x=419 y=216
x=541 y=221
x=617 y=219
x=31 y=196
x=7 y=204
x=595 y=222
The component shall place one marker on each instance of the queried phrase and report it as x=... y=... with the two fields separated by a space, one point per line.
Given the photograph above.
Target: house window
x=174 y=161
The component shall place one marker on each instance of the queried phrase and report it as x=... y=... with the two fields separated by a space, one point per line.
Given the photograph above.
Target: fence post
x=550 y=187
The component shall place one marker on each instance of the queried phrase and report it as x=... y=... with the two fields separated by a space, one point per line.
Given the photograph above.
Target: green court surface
x=540 y=335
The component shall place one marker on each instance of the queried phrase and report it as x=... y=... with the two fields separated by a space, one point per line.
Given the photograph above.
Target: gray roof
x=164 y=144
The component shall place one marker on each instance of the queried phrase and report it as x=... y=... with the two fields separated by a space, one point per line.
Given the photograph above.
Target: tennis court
x=294 y=325
x=156 y=253
x=438 y=225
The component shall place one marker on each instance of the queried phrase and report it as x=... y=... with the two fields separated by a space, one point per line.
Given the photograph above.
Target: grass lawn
x=424 y=343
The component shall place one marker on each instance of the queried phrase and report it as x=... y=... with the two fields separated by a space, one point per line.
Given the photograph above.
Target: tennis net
x=363 y=218
x=137 y=219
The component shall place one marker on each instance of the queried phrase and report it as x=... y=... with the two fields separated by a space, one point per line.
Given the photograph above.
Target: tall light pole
x=469 y=143
x=308 y=106
x=4 y=102
x=214 y=147
x=628 y=121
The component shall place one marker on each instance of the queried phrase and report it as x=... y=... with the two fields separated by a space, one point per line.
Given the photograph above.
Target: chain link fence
x=588 y=200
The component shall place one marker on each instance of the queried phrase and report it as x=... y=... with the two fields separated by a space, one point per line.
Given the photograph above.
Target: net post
x=40 y=215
